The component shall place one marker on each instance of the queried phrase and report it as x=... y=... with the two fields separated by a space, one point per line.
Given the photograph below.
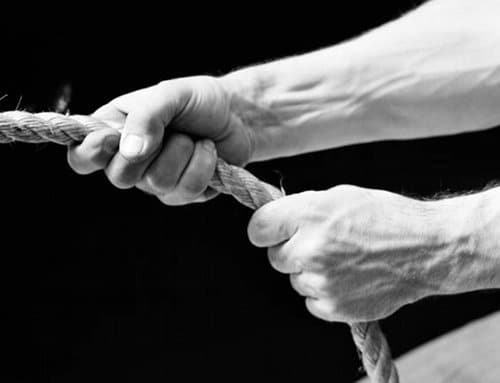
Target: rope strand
x=228 y=179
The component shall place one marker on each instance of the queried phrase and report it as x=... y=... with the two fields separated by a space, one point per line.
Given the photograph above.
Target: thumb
x=275 y=222
x=111 y=116
x=148 y=113
x=142 y=134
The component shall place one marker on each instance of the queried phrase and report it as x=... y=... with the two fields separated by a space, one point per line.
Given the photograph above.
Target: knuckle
x=346 y=191
x=80 y=170
x=120 y=180
x=163 y=84
x=281 y=260
x=296 y=285
x=344 y=188
x=76 y=164
x=324 y=309
x=276 y=259
x=308 y=248
x=256 y=228
x=173 y=199
x=96 y=157
x=320 y=283
x=307 y=283
x=166 y=84
x=254 y=236
x=307 y=256
x=103 y=109
x=164 y=199
x=160 y=183
x=207 y=159
x=178 y=87
x=194 y=187
x=259 y=224
x=312 y=307
x=183 y=142
x=309 y=204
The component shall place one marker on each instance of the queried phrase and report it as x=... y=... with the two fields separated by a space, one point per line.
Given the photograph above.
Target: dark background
x=100 y=284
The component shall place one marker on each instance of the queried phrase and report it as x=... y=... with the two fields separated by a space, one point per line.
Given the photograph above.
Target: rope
x=228 y=179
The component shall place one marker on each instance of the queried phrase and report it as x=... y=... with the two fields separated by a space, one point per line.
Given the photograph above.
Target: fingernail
x=131 y=145
x=111 y=143
x=208 y=145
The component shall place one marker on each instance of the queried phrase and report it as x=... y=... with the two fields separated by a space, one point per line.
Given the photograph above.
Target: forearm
x=435 y=71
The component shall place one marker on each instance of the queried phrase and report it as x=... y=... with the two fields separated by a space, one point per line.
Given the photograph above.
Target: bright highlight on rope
x=228 y=179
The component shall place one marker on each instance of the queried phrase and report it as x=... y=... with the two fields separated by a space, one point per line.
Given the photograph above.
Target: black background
x=100 y=284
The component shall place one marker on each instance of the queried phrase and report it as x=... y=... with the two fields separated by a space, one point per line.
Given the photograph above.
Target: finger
x=195 y=179
x=144 y=127
x=308 y=284
x=142 y=135
x=324 y=309
x=95 y=152
x=111 y=115
x=129 y=101
x=164 y=173
x=276 y=221
x=281 y=259
x=207 y=195
x=124 y=174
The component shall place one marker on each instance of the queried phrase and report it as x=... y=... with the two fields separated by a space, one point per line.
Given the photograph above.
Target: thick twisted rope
x=247 y=189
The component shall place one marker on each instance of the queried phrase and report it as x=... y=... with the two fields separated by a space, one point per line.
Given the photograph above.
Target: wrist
x=299 y=104
x=251 y=103
x=468 y=258
x=484 y=230
x=244 y=89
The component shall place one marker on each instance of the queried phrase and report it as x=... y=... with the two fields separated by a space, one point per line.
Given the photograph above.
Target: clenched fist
x=168 y=139
x=357 y=254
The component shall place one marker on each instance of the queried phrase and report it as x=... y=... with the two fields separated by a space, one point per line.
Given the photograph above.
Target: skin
x=360 y=254
x=184 y=125
x=355 y=254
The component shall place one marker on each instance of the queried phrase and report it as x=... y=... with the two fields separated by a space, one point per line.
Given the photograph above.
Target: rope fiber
x=228 y=179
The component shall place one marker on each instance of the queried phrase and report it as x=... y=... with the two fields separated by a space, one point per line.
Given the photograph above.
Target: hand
x=169 y=138
x=356 y=254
